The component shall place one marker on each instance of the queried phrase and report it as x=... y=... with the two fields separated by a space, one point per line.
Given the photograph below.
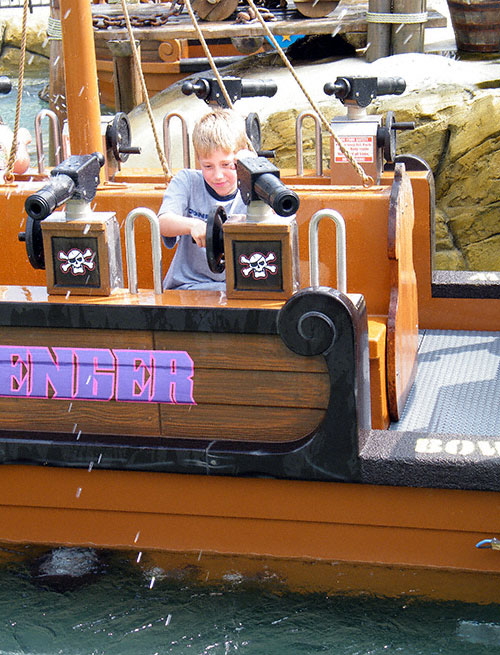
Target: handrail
x=56 y=135
x=131 y=252
x=341 y=248
x=299 y=148
x=185 y=139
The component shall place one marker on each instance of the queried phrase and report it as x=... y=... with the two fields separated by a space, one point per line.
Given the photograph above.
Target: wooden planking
x=248 y=387
x=139 y=340
x=79 y=416
x=261 y=388
x=238 y=422
x=238 y=351
x=88 y=416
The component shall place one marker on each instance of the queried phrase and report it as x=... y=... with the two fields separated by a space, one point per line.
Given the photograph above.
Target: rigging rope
x=206 y=50
x=137 y=62
x=9 y=175
x=367 y=179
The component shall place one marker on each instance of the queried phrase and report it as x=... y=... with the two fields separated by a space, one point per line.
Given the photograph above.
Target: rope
x=9 y=175
x=135 y=54
x=206 y=50
x=410 y=19
x=54 y=30
x=367 y=179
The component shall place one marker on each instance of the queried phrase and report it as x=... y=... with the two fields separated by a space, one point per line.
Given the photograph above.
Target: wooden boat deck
x=348 y=17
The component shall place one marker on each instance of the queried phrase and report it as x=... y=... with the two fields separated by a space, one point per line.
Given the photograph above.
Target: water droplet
x=139 y=557
x=168 y=619
x=68 y=293
x=67 y=13
x=74 y=427
x=78 y=435
x=99 y=458
x=86 y=228
x=152 y=582
x=78 y=492
x=137 y=537
x=69 y=408
x=91 y=466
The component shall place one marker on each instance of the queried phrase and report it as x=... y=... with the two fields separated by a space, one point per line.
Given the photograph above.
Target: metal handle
x=130 y=248
x=318 y=144
x=185 y=139
x=341 y=248
x=56 y=135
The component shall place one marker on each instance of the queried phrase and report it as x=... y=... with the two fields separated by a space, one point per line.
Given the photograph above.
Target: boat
x=170 y=49
x=260 y=433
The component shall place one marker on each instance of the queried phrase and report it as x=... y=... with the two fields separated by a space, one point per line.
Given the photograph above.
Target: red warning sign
x=361 y=148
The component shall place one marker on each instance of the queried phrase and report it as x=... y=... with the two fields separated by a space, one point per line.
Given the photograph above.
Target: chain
x=154 y=19
x=248 y=15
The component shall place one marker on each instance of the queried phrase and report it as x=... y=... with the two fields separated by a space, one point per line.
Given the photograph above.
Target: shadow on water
x=127 y=610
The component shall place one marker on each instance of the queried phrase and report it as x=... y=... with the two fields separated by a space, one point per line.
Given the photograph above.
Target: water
x=31 y=104
x=125 y=611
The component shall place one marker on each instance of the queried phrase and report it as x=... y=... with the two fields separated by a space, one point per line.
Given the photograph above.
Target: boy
x=191 y=194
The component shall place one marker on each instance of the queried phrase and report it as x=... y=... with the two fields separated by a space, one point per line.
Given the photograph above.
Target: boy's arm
x=173 y=225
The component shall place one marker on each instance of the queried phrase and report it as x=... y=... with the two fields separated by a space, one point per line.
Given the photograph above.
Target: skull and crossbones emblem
x=258 y=265
x=76 y=260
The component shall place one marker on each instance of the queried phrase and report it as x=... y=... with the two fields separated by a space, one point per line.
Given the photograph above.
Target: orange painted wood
x=377 y=339
x=273 y=518
x=402 y=321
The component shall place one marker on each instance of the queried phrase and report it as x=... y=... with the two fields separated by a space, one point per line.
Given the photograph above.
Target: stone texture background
x=458 y=134
x=37 y=44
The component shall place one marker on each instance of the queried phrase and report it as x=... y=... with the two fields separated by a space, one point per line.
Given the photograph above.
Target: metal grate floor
x=457 y=387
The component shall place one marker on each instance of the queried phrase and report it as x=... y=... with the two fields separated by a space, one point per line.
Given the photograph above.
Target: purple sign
x=146 y=376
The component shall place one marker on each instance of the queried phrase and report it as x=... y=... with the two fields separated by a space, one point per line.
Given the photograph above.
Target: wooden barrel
x=476 y=24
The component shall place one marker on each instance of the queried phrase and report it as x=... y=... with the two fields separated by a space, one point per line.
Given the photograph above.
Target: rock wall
x=455 y=107
x=37 y=44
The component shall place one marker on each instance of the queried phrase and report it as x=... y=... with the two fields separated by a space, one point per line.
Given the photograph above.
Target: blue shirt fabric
x=187 y=194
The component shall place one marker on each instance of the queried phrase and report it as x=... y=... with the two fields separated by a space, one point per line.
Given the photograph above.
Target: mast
x=82 y=94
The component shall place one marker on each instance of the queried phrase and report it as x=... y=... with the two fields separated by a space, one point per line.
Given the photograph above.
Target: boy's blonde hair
x=220 y=129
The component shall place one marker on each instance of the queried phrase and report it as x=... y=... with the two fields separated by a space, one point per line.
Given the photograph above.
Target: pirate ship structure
x=170 y=48
x=264 y=429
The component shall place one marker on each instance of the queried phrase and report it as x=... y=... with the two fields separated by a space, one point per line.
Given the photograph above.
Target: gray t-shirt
x=187 y=194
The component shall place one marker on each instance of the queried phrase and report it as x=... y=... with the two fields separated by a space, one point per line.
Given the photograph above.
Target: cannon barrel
x=42 y=203
x=258 y=179
x=273 y=192
x=76 y=177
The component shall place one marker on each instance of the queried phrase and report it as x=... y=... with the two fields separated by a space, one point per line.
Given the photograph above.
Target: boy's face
x=219 y=171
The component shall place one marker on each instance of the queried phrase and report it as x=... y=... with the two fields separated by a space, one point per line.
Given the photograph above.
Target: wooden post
x=408 y=37
x=57 y=87
x=128 y=91
x=82 y=94
x=378 y=34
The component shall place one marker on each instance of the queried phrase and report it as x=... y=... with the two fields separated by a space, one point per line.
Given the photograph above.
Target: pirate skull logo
x=258 y=266
x=77 y=261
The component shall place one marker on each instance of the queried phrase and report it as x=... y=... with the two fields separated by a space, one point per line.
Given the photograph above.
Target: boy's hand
x=199 y=233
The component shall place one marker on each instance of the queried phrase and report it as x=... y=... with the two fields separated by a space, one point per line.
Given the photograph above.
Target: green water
x=124 y=611
x=31 y=104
